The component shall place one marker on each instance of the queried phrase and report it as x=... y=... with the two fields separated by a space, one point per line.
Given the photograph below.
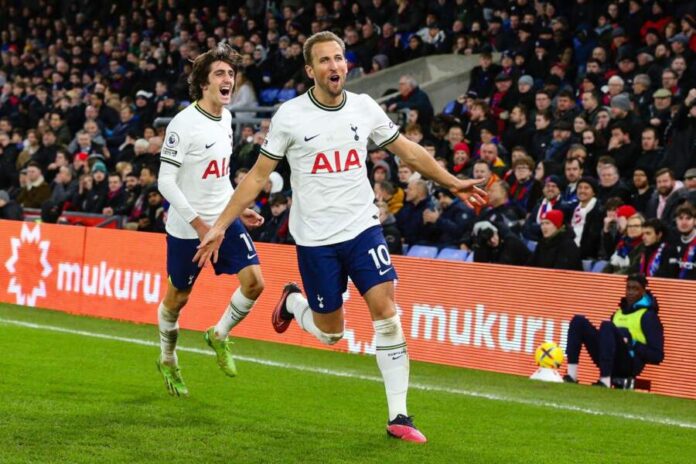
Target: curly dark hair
x=201 y=67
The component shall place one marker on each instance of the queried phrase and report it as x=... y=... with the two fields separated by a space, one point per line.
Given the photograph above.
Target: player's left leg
x=370 y=268
x=237 y=256
x=392 y=360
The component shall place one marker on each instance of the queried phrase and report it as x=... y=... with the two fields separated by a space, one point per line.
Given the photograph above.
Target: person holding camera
x=490 y=247
x=622 y=346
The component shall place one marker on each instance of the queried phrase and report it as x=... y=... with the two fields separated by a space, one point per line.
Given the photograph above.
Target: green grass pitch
x=83 y=390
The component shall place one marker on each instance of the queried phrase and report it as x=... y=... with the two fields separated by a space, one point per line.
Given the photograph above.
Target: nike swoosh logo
x=251 y=256
x=397 y=357
x=384 y=271
x=208 y=146
x=307 y=139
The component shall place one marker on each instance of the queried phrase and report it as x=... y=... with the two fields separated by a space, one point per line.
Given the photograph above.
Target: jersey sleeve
x=175 y=144
x=383 y=130
x=278 y=137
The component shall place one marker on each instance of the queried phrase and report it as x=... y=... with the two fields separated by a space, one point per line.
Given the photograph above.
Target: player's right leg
x=167 y=317
x=182 y=274
x=321 y=313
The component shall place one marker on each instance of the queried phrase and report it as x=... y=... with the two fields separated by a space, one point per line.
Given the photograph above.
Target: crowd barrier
x=469 y=315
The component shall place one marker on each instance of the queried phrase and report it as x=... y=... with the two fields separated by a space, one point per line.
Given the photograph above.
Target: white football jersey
x=326 y=147
x=200 y=145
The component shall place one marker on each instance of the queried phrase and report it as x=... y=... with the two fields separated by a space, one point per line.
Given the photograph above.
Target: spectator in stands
x=660 y=112
x=556 y=249
x=651 y=154
x=390 y=194
x=275 y=229
x=406 y=174
x=541 y=140
x=628 y=249
x=682 y=255
x=669 y=194
x=36 y=191
x=490 y=154
x=586 y=221
x=244 y=96
x=504 y=214
x=461 y=160
x=411 y=97
x=519 y=132
x=152 y=218
x=525 y=190
x=59 y=128
x=573 y=171
x=9 y=208
x=679 y=154
x=590 y=106
x=482 y=170
x=115 y=197
x=483 y=76
x=560 y=142
x=690 y=185
x=64 y=187
x=654 y=256
x=611 y=185
x=641 y=190
x=409 y=219
x=622 y=149
x=490 y=247
x=551 y=200
x=391 y=232
x=448 y=222
x=621 y=347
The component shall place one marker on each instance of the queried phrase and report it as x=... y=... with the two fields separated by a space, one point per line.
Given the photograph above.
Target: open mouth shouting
x=225 y=91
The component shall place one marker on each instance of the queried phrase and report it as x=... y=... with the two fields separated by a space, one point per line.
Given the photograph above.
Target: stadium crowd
x=580 y=119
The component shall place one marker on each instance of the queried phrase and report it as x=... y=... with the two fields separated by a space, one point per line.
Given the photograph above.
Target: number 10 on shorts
x=380 y=256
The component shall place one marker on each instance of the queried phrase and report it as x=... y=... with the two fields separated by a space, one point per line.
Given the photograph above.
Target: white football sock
x=297 y=305
x=169 y=333
x=393 y=362
x=236 y=311
x=606 y=381
x=573 y=371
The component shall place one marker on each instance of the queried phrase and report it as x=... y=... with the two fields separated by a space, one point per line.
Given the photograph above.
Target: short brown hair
x=524 y=161
x=686 y=209
x=201 y=67
x=319 y=37
x=664 y=171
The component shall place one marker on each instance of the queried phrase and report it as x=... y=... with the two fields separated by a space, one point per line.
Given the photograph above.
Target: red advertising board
x=461 y=314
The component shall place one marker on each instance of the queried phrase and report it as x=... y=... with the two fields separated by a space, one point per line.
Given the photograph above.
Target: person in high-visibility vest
x=622 y=346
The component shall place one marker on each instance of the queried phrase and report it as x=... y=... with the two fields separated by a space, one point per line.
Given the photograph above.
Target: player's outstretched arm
x=415 y=156
x=246 y=192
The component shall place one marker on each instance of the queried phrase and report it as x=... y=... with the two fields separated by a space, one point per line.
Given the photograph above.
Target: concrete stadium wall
x=480 y=316
x=442 y=77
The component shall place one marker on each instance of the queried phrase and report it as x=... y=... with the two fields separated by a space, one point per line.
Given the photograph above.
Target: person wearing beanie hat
x=460 y=158
x=99 y=166
x=622 y=346
x=556 y=249
x=380 y=171
x=624 y=248
x=492 y=246
x=551 y=199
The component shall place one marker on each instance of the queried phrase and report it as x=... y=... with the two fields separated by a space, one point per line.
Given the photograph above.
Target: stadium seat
x=599 y=266
x=453 y=254
x=286 y=94
x=422 y=251
x=587 y=265
x=531 y=245
x=269 y=96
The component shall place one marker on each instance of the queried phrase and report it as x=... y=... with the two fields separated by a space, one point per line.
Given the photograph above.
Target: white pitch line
x=371 y=378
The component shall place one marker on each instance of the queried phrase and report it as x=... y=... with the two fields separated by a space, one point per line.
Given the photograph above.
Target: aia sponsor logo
x=339 y=162
x=28 y=266
x=217 y=169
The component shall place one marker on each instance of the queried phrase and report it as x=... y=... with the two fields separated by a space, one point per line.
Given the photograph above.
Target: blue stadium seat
x=422 y=251
x=269 y=96
x=531 y=245
x=599 y=266
x=286 y=94
x=453 y=254
x=587 y=265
